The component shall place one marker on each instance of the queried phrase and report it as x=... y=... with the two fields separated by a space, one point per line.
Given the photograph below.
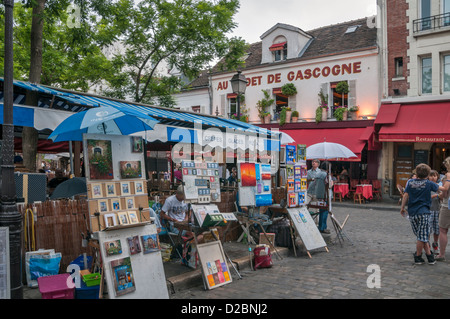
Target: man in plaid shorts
x=418 y=196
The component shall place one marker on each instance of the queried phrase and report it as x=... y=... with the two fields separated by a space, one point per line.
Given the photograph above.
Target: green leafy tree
x=184 y=34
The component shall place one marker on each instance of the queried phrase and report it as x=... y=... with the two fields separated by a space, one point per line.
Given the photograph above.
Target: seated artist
x=175 y=210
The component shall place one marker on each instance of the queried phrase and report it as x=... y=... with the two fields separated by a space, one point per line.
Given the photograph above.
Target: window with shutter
x=352 y=93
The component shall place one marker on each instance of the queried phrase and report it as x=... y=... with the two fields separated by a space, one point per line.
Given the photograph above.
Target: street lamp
x=238 y=85
x=9 y=216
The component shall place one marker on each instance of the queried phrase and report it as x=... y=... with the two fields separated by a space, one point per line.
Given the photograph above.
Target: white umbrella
x=328 y=151
x=286 y=139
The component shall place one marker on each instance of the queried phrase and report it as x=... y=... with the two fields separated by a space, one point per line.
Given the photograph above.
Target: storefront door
x=403 y=163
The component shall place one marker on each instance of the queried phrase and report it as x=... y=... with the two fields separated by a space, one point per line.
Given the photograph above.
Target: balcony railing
x=432 y=23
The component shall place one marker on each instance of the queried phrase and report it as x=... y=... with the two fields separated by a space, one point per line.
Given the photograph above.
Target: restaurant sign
x=300 y=74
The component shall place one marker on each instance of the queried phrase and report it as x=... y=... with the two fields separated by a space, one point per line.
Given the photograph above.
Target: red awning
x=277 y=46
x=352 y=138
x=387 y=114
x=428 y=123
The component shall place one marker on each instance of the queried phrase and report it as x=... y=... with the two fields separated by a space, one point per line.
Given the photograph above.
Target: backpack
x=263 y=258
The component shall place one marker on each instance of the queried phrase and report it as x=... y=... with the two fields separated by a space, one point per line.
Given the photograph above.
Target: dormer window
x=279 y=51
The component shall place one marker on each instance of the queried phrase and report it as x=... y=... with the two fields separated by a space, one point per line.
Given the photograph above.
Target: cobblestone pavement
x=380 y=237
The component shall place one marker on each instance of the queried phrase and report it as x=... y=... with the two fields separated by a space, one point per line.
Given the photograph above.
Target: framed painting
x=130 y=169
x=129 y=202
x=150 y=243
x=97 y=190
x=115 y=204
x=123 y=218
x=125 y=188
x=122 y=275
x=139 y=187
x=103 y=206
x=110 y=189
x=110 y=220
x=132 y=217
x=136 y=144
x=100 y=159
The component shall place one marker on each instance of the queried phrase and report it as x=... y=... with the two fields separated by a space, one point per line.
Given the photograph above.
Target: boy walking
x=418 y=196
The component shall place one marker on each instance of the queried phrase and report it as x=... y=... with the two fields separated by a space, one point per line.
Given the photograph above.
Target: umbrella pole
x=71 y=158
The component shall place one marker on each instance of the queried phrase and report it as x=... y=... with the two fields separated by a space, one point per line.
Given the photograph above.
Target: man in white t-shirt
x=175 y=210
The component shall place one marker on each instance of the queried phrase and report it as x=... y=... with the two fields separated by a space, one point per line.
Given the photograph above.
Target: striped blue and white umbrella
x=103 y=120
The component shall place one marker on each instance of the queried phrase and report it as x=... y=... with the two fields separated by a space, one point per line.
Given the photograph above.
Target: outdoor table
x=341 y=188
x=365 y=190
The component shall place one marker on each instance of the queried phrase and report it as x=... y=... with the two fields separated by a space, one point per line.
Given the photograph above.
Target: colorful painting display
x=123 y=218
x=217 y=273
x=123 y=278
x=113 y=248
x=201 y=182
x=248 y=174
x=136 y=144
x=291 y=154
x=134 y=244
x=130 y=169
x=100 y=159
x=150 y=243
x=265 y=172
x=255 y=184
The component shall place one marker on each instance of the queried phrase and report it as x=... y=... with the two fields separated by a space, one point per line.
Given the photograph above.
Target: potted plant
x=339 y=113
x=285 y=115
x=289 y=89
x=294 y=116
x=288 y=114
x=262 y=106
x=342 y=88
x=353 y=112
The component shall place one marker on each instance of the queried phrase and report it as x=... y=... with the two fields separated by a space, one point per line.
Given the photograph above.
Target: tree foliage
x=186 y=35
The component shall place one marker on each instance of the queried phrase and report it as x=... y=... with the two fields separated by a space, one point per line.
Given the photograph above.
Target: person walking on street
x=434 y=212
x=418 y=196
x=444 y=214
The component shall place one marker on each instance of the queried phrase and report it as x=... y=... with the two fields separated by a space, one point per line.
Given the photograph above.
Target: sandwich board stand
x=131 y=261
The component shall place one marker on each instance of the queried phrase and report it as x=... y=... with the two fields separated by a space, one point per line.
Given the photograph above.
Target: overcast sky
x=257 y=16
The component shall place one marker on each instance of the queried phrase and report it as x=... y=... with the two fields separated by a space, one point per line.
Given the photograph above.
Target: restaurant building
x=315 y=62
x=413 y=121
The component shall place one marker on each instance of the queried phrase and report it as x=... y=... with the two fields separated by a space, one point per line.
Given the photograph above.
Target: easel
x=249 y=221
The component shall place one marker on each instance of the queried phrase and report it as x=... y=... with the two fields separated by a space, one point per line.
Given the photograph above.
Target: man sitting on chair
x=175 y=210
